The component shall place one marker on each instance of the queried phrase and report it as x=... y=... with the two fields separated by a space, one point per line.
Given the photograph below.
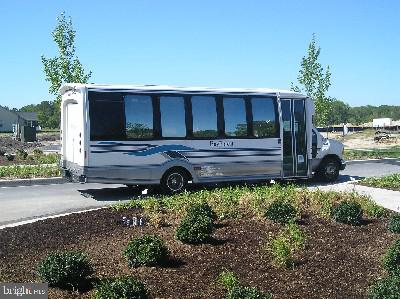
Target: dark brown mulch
x=10 y=145
x=17 y=161
x=340 y=261
x=48 y=137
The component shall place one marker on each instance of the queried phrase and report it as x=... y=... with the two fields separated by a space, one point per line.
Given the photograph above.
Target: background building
x=9 y=118
x=381 y=122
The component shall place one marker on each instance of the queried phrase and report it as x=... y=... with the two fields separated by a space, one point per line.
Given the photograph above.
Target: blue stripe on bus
x=160 y=149
x=187 y=151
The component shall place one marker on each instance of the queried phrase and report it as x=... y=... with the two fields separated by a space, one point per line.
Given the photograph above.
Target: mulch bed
x=10 y=146
x=339 y=261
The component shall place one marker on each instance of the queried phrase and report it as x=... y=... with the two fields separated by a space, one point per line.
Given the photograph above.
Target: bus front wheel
x=174 y=181
x=329 y=170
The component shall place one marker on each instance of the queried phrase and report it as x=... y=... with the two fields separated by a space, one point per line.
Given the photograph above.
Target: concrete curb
x=388 y=199
x=23 y=222
x=366 y=160
x=32 y=182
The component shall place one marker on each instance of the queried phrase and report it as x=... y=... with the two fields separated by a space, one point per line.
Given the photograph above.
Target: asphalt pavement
x=25 y=203
x=370 y=168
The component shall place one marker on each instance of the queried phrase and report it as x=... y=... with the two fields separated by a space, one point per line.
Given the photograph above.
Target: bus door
x=295 y=162
x=72 y=144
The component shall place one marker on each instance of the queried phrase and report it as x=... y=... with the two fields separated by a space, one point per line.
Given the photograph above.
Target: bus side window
x=172 y=116
x=204 y=111
x=102 y=126
x=138 y=117
x=265 y=122
x=235 y=117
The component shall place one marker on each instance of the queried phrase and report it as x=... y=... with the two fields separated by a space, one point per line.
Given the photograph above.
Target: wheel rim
x=175 y=182
x=331 y=170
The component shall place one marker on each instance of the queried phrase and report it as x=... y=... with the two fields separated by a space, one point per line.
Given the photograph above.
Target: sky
x=220 y=43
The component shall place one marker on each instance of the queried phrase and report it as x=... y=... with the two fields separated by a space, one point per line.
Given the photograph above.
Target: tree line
x=343 y=113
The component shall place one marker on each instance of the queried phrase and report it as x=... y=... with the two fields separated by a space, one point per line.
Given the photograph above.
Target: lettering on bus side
x=221 y=143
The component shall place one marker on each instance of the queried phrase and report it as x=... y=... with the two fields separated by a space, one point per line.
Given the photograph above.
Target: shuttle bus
x=172 y=136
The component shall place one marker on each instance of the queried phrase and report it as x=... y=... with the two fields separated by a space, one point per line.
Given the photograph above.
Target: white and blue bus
x=172 y=136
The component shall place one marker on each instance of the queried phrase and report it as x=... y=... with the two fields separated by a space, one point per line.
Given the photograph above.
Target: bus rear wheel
x=174 y=181
x=329 y=170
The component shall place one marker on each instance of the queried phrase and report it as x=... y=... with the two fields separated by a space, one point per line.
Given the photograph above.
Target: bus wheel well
x=331 y=157
x=328 y=169
x=181 y=169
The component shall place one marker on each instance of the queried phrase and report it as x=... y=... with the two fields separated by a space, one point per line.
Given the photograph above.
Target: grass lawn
x=391 y=182
x=392 y=152
x=337 y=261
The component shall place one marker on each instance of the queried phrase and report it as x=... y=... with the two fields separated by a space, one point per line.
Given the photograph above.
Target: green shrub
x=47 y=159
x=37 y=152
x=9 y=157
x=194 y=229
x=202 y=209
x=282 y=251
x=385 y=288
x=394 y=223
x=348 y=212
x=120 y=288
x=241 y=292
x=286 y=244
x=29 y=171
x=154 y=211
x=225 y=202
x=280 y=211
x=64 y=269
x=197 y=225
x=228 y=279
x=391 y=260
x=235 y=290
x=21 y=154
x=148 y=250
x=386 y=182
x=295 y=235
x=370 y=208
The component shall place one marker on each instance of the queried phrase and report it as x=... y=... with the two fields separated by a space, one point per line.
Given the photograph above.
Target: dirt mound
x=9 y=145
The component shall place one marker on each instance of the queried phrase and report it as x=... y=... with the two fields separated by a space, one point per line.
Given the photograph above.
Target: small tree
x=65 y=67
x=315 y=82
x=340 y=112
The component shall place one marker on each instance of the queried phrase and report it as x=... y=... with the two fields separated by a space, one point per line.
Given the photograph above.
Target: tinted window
x=172 y=116
x=235 y=117
x=106 y=112
x=204 y=116
x=139 y=116
x=265 y=124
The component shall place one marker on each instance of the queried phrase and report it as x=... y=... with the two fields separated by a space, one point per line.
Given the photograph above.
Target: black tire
x=329 y=170
x=174 y=181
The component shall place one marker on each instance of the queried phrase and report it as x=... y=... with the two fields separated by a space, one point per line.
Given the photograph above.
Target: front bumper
x=342 y=164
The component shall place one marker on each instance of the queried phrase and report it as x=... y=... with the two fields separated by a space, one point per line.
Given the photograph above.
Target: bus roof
x=172 y=89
